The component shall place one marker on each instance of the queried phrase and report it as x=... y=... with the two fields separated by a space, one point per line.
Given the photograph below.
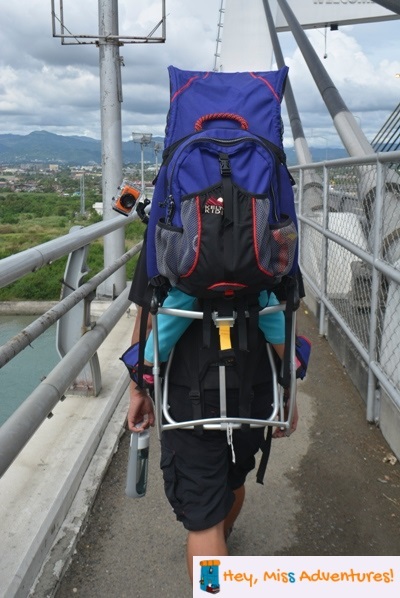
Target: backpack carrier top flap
x=254 y=96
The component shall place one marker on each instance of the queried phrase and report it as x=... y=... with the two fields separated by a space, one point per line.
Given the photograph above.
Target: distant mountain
x=42 y=146
x=319 y=154
x=48 y=148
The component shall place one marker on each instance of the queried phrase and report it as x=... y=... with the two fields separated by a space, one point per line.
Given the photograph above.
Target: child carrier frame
x=279 y=417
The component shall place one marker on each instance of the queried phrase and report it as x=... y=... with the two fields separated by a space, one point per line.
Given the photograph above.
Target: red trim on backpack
x=268 y=84
x=228 y=285
x=184 y=87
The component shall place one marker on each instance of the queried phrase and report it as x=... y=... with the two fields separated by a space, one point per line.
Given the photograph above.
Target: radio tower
x=108 y=41
x=217 y=55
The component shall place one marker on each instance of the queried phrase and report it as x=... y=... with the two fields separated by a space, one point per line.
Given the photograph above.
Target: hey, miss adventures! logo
x=209 y=576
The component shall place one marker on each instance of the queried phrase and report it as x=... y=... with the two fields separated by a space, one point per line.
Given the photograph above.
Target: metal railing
x=19 y=428
x=349 y=219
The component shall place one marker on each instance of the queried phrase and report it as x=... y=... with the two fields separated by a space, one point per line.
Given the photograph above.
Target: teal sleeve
x=272 y=325
x=170 y=328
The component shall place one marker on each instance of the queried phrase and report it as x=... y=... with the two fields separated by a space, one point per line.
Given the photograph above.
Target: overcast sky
x=45 y=85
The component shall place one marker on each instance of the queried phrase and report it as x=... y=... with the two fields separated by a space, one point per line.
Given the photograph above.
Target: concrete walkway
x=331 y=489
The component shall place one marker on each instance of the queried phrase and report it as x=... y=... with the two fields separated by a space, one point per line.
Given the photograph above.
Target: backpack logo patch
x=214 y=206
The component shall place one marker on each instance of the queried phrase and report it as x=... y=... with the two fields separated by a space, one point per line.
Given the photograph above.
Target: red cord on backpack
x=221 y=116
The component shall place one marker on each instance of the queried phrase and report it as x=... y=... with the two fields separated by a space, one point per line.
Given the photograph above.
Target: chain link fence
x=349 y=220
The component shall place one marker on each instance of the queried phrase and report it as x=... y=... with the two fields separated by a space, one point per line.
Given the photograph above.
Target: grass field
x=30 y=219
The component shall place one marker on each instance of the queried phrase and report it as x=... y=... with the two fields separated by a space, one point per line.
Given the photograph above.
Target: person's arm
x=141 y=410
x=171 y=328
x=272 y=325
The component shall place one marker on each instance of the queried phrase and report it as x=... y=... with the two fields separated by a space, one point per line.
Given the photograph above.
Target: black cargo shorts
x=201 y=471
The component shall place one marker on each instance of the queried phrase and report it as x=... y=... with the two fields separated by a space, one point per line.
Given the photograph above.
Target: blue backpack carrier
x=222 y=224
x=222 y=219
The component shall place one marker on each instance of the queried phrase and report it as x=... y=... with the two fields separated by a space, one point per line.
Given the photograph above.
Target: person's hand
x=278 y=432
x=141 y=410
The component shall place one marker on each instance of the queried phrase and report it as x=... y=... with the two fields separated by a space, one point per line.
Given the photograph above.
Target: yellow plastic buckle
x=225 y=337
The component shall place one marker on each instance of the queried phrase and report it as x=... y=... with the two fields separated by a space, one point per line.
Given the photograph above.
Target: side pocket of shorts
x=167 y=465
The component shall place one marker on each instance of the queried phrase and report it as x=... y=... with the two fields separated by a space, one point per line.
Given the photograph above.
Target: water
x=19 y=377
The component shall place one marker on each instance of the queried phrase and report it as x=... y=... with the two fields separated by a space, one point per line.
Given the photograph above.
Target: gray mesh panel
x=167 y=249
x=276 y=245
x=176 y=247
x=283 y=246
x=263 y=234
x=190 y=235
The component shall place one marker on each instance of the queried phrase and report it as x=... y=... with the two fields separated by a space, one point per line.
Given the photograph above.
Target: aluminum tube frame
x=277 y=417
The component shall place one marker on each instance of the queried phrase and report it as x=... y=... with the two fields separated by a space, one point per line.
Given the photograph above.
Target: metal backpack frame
x=277 y=418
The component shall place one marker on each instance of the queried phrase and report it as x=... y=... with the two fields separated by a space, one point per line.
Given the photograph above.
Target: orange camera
x=127 y=197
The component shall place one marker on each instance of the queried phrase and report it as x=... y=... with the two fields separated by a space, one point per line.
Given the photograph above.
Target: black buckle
x=224 y=165
x=197 y=412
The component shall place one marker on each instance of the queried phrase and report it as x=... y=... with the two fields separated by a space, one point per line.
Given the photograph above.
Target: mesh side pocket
x=176 y=247
x=168 y=242
x=262 y=234
x=275 y=243
x=283 y=246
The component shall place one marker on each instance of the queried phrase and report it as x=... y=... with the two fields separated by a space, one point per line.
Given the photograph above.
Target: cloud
x=369 y=90
x=44 y=84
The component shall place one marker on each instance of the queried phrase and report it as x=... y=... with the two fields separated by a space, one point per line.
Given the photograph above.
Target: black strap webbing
x=143 y=332
x=207 y=323
x=247 y=359
x=292 y=304
x=194 y=393
x=265 y=450
x=227 y=194
x=242 y=326
x=154 y=296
